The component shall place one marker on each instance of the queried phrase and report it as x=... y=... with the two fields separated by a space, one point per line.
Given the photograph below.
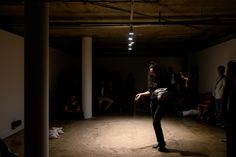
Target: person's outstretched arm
x=147 y=93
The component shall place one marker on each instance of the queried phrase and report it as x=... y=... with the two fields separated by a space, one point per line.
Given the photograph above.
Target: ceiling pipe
x=144 y=23
x=121 y=9
x=19 y=2
x=109 y=1
x=148 y=23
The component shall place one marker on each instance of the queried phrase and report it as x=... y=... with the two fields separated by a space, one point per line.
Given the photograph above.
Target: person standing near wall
x=191 y=86
x=229 y=101
x=218 y=93
x=104 y=96
x=157 y=108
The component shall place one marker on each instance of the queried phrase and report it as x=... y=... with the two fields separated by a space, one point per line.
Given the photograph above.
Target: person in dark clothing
x=191 y=84
x=156 y=106
x=172 y=80
x=229 y=101
x=73 y=109
x=217 y=93
x=104 y=96
x=4 y=150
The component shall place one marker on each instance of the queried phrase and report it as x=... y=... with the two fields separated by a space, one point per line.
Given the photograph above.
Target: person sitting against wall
x=204 y=109
x=73 y=109
x=104 y=96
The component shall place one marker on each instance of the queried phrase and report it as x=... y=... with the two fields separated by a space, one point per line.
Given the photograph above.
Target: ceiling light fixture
x=131 y=32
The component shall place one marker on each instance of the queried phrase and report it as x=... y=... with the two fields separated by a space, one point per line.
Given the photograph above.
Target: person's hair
x=155 y=75
x=153 y=65
x=221 y=69
x=231 y=69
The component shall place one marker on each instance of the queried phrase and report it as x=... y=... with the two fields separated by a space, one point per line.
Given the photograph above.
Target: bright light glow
x=131 y=33
x=131 y=43
x=130 y=38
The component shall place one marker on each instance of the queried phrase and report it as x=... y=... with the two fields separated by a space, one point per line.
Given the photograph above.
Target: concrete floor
x=131 y=136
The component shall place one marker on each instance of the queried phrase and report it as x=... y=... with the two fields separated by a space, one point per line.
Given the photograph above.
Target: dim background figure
x=73 y=109
x=105 y=100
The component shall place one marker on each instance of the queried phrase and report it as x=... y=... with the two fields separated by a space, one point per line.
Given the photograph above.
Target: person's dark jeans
x=157 y=112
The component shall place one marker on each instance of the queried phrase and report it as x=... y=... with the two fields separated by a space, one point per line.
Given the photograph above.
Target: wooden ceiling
x=161 y=27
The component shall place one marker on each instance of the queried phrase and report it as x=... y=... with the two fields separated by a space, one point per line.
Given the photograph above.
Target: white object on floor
x=53 y=134
x=58 y=129
x=191 y=112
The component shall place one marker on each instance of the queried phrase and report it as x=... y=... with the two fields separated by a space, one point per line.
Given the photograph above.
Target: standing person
x=218 y=93
x=172 y=80
x=229 y=101
x=157 y=108
x=191 y=82
x=185 y=79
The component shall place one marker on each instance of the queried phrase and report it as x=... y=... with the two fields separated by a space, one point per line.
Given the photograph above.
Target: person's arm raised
x=147 y=93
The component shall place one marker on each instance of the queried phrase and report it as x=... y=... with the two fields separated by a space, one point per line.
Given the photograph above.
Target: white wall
x=208 y=60
x=11 y=82
x=12 y=79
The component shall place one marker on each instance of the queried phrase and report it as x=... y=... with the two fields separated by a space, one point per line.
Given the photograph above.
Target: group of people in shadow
x=110 y=94
x=208 y=106
x=217 y=105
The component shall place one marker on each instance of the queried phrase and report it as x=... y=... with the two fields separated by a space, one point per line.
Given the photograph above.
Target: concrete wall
x=11 y=82
x=208 y=60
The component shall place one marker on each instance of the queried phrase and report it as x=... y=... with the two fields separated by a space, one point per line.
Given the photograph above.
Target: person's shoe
x=155 y=146
x=163 y=149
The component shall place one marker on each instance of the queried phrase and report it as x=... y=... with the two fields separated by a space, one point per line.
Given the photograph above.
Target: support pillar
x=36 y=78
x=87 y=76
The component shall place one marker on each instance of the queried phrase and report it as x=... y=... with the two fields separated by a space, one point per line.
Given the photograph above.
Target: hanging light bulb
x=130 y=43
x=130 y=38
x=131 y=32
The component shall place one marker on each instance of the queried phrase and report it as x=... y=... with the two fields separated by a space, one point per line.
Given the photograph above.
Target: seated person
x=190 y=112
x=206 y=106
x=104 y=97
x=73 y=109
x=203 y=109
x=104 y=101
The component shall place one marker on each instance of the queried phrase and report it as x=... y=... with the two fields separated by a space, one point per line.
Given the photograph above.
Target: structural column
x=36 y=78
x=87 y=76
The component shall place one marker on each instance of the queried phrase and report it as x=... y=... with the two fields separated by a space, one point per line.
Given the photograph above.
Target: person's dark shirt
x=152 y=83
x=73 y=106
